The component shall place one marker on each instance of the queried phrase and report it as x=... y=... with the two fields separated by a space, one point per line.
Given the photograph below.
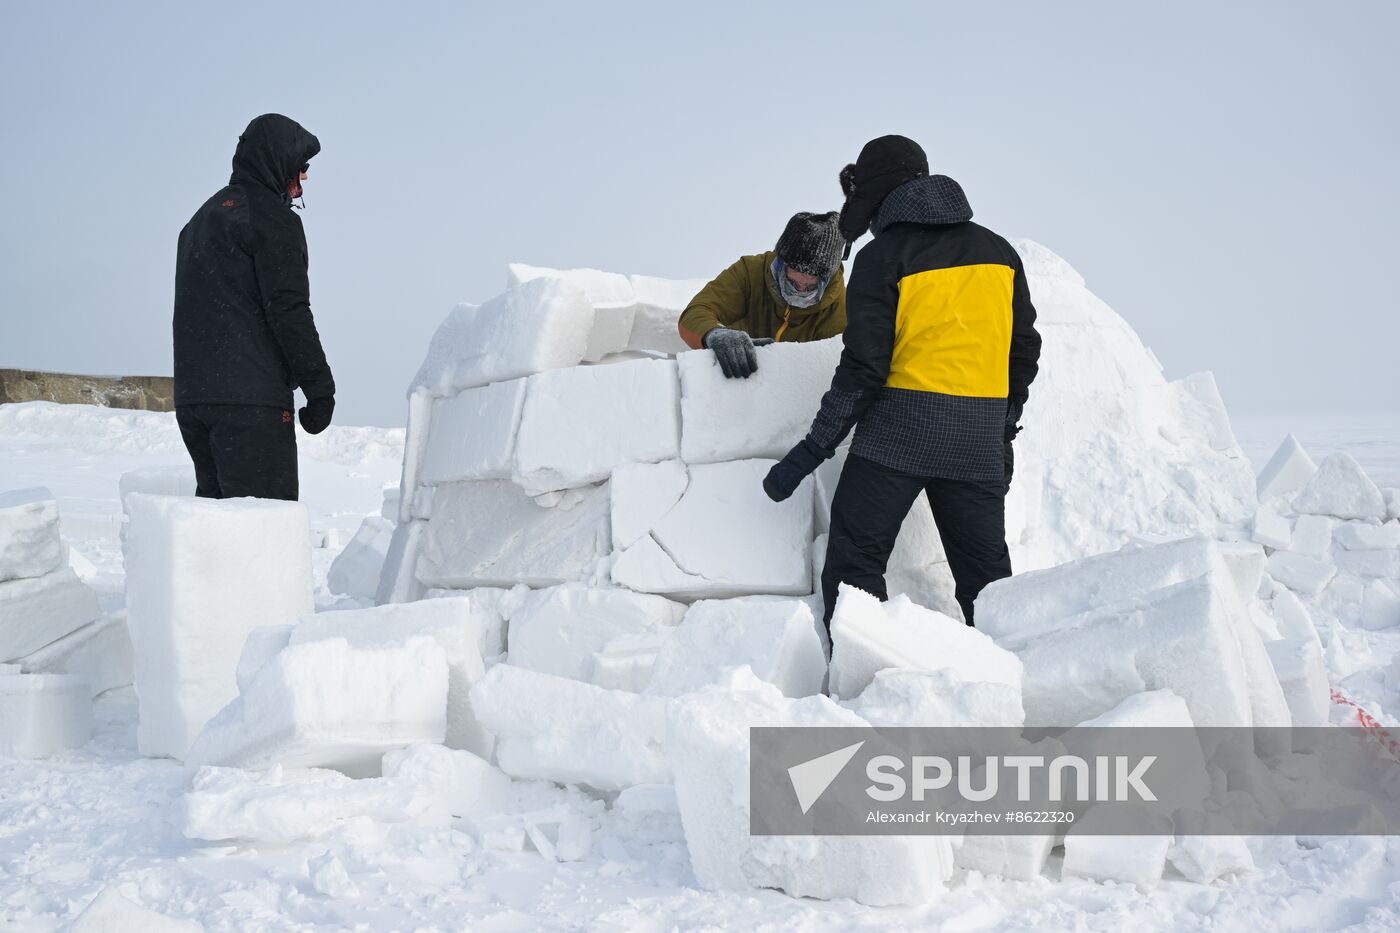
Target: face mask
x=789 y=292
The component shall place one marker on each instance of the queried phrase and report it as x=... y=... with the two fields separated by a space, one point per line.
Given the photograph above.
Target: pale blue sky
x=1222 y=174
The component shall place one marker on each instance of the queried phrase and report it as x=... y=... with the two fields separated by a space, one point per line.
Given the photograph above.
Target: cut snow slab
x=99 y=653
x=558 y=729
x=762 y=416
x=579 y=424
x=1287 y=471
x=200 y=575
x=1138 y=860
x=492 y=607
x=329 y=704
x=38 y=611
x=1271 y=529
x=1303 y=575
x=492 y=534
x=356 y=569
x=398 y=580
x=1303 y=676
x=642 y=494
x=1341 y=488
x=30 y=544
x=41 y=714
x=776 y=638
x=472 y=434
x=869 y=636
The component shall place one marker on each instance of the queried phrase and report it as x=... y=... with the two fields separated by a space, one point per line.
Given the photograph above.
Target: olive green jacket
x=746 y=298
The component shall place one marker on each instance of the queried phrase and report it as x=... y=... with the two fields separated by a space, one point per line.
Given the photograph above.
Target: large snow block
x=539 y=325
x=707 y=742
x=1138 y=860
x=558 y=729
x=328 y=704
x=776 y=638
x=30 y=544
x=492 y=607
x=99 y=653
x=868 y=636
x=642 y=494
x=581 y=423
x=200 y=575
x=940 y=698
x=659 y=303
x=1303 y=676
x=41 y=714
x=762 y=416
x=1287 y=471
x=1341 y=488
x=398 y=580
x=452 y=623
x=1202 y=389
x=472 y=434
x=40 y=610
x=723 y=538
x=356 y=569
x=156 y=481
x=563 y=629
x=492 y=534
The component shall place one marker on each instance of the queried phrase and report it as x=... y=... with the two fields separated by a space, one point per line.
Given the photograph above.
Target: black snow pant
x=240 y=450
x=869 y=507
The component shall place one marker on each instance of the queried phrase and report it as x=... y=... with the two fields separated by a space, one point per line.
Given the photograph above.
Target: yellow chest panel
x=953 y=331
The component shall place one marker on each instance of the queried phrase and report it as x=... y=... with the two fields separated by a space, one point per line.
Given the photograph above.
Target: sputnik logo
x=811 y=778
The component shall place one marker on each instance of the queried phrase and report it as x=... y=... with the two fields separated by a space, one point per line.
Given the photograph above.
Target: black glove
x=788 y=473
x=735 y=351
x=1013 y=419
x=315 y=415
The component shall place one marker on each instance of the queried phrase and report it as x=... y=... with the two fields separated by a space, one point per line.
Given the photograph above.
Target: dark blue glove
x=788 y=473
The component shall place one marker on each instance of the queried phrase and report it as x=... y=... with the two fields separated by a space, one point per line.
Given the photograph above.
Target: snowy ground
x=104 y=816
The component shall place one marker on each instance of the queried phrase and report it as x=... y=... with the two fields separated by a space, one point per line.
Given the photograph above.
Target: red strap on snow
x=1369 y=723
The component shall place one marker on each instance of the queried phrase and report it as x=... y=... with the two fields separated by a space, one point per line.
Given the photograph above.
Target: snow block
x=642 y=494
x=492 y=534
x=458 y=782
x=1380 y=606
x=1382 y=564
x=723 y=538
x=1271 y=529
x=398 y=582
x=1246 y=562
x=1202 y=388
x=157 y=481
x=1138 y=860
x=329 y=704
x=30 y=544
x=99 y=653
x=110 y=912
x=603 y=289
x=1363 y=536
x=1204 y=858
x=41 y=714
x=561 y=629
x=941 y=698
x=472 y=435
x=357 y=569
x=1303 y=575
x=579 y=424
x=200 y=575
x=259 y=648
x=659 y=303
x=1342 y=489
x=776 y=638
x=492 y=607
x=415 y=448
x=762 y=416
x=1097 y=630
x=869 y=636
x=1312 y=536
x=707 y=742
x=38 y=611
x=1303 y=676
x=452 y=623
x=1287 y=471
x=538 y=325
x=558 y=729
x=1020 y=858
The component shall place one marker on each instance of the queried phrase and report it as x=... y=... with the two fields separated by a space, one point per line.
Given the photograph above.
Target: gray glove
x=735 y=351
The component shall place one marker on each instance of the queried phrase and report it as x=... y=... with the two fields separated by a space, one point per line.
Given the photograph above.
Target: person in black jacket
x=244 y=335
x=940 y=351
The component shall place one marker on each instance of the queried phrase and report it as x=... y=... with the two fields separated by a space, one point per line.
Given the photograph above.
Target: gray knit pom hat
x=812 y=244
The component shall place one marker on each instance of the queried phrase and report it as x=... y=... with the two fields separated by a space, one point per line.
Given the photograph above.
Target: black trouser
x=869 y=507
x=240 y=450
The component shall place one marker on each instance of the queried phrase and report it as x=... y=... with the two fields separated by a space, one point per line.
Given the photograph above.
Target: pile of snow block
x=575 y=631
x=775 y=638
x=331 y=703
x=41 y=714
x=356 y=569
x=1165 y=616
x=868 y=636
x=708 y=746
x=558 y=729
x=200 y=575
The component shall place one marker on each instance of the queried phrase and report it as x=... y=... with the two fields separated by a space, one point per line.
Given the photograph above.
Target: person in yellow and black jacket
x=940 y=351
x=793 y=293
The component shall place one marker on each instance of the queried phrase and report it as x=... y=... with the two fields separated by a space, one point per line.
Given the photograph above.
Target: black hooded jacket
x=243 y=328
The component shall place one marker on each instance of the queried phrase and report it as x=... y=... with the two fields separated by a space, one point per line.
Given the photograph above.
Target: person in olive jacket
x=939 y=356
x=794 y=293
x=243 y=332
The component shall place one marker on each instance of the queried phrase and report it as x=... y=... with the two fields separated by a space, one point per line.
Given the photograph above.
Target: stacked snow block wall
x=49 y=621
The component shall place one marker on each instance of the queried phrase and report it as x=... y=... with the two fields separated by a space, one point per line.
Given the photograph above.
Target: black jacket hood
x=271 y=152
x=936 y=199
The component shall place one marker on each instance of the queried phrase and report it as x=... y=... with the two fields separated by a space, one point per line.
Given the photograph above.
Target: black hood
x=936 y=199
x=271 y=152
